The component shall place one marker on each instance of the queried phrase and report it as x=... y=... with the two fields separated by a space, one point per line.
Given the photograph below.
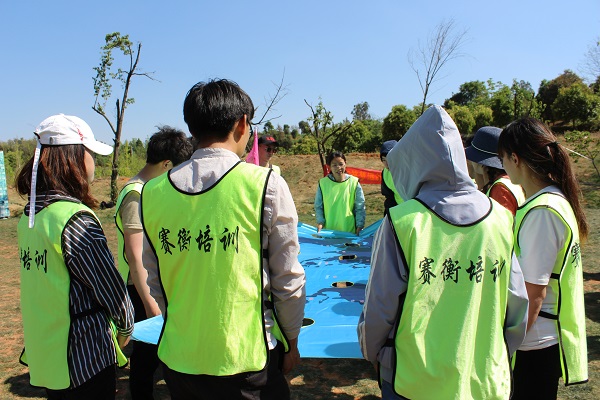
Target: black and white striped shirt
x=97 y=291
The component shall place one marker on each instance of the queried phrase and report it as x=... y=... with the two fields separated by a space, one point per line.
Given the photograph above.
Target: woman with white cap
x=490 y=176
x=75 y=309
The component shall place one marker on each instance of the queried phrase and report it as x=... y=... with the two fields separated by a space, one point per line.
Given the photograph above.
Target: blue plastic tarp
x=337 y=266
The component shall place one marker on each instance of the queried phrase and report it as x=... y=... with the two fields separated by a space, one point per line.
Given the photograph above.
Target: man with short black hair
x=221 y=248
x=166 y=148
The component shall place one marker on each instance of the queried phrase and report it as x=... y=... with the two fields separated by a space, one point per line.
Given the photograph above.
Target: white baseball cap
x=61 y=129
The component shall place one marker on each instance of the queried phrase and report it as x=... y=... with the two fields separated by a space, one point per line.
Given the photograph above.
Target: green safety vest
x=45 y=286
x=338 y=203
x=123 y=264
x=209 y=252
x=449 y=341
x=566 y=281
x=516 y=190
x=389 y=182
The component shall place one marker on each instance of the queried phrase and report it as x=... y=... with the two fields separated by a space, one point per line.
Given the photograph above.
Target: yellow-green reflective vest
x=123 y=263
x=209 y=251
x=566 y=281
x=338 y=203
x=516 y=190
x=45 y=285
x=389 y=182
x=450 y=341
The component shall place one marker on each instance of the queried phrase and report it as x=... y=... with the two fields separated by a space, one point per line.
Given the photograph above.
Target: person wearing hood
x=388 y=190
x=446 y=304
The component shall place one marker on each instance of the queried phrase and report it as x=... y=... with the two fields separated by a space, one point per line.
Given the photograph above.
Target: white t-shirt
x=541 y=236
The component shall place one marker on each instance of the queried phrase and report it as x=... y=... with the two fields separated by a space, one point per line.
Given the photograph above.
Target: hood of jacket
x=430 y=157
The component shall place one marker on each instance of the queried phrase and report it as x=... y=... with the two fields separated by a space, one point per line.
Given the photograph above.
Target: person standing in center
x=166 y=148
x=339 y=201
x=221 y=249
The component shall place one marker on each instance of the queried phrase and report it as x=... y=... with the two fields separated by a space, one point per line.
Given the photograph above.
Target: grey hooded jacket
x=428 y=163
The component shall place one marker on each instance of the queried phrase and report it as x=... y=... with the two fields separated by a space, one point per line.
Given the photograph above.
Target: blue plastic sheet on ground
x=337 y=266
x=4 y=210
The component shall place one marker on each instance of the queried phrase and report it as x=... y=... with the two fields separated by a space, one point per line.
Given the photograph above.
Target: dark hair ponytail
x=535 y=143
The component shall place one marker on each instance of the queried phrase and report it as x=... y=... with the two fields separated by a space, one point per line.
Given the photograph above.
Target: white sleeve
x=540 y=238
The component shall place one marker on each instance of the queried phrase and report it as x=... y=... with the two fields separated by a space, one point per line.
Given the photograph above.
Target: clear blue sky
x=342 y=51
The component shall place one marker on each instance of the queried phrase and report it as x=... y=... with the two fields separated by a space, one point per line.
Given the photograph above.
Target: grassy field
x=314 y=378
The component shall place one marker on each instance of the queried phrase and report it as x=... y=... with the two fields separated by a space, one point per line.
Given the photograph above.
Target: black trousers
x=102 y=386
x=269 y=384
x=144 y=358
x=536 y=374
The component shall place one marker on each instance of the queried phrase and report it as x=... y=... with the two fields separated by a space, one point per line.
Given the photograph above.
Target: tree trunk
x=114 y=190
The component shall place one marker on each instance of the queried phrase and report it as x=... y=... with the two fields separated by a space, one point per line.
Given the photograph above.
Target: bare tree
x=103 y=91
x=271 y=101
x=591 y=64
x=427 y=60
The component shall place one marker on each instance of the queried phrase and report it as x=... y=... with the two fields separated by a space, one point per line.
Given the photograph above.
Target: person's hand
x=292 y=357
x=358 y=230
x=319 y=227
x=122 y=340
x=152 y=310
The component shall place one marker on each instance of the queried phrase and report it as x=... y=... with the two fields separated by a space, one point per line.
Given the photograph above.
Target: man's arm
x=360 y=213
x=319 y=213
x=515 y=325
x=134 y=240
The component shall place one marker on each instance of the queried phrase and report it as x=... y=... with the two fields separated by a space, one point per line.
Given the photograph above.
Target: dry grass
x=314 y=378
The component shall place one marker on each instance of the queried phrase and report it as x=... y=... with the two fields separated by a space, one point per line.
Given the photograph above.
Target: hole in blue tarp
x=307 y=322
x=342 y=284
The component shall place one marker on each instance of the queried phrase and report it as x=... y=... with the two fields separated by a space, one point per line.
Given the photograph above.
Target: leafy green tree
x=307 y=144
x=463 y=118
x=576 y=103
x=596 y=86
x=548 y=91
x=371 y=142
x=352 y=139
x=470 y=93
x=360 y=112
x=103 y=91
x=501 y=106
x=524 y=102
x=397 y=122
x=483 y=116
x=268 y=128
x=304 y=127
